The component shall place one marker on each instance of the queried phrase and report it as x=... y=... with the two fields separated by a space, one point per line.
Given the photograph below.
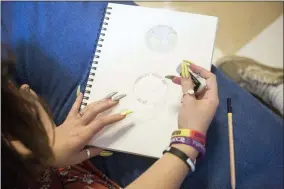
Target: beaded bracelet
x=190 y=133
x=190 y=142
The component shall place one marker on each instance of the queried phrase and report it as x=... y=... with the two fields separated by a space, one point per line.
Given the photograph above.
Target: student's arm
x=167 y=173
x=196 y=113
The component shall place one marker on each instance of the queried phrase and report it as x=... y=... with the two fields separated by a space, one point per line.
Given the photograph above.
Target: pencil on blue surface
x=231 y=143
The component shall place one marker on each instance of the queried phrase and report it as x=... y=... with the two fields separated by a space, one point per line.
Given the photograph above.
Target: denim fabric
x=54 y=42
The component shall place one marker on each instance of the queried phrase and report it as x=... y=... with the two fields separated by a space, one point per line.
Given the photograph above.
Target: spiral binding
x=96 y=57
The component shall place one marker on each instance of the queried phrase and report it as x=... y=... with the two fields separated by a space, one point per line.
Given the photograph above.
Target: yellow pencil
x=231 y=143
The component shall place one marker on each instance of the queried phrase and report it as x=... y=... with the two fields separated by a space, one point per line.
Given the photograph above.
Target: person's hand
x=197 y=111
x=71 y=137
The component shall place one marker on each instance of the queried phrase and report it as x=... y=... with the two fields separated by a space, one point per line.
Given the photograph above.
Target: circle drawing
x=150 y=92
x=150 y=89
x=161 y=39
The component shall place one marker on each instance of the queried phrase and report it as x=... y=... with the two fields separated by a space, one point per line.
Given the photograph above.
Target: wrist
x=188 y=150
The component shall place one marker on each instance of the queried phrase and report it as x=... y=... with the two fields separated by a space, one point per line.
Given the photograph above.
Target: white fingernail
x=110 y=95
x=129 y=125
x=116 y=98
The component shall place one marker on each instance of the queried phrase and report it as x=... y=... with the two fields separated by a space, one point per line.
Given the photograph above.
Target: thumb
x=83 y=155
x=76 y=106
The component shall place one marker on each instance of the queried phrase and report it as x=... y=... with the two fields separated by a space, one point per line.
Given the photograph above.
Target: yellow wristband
x=181 y=132
x=191 y=134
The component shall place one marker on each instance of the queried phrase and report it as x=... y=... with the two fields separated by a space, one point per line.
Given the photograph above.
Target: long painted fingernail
x=106 y=153
x=110 y=95
x=170 y=77
x=183 y=70
x=188 y=62
x=132 y=124
x=78 y=90
x=117 y=98
x=186 y=70
x=126 y=112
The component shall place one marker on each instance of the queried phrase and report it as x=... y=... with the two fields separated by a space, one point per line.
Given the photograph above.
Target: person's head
x=25 y=143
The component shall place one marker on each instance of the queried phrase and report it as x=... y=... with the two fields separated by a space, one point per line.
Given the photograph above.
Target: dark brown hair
x=20 y=122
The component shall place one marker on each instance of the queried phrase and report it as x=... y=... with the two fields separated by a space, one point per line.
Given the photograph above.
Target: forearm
x=167 y=173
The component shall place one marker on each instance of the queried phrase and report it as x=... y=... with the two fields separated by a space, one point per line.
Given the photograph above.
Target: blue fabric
x=54 y=42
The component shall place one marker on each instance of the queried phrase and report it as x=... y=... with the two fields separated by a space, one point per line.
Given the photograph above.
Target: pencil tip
x=229 y=105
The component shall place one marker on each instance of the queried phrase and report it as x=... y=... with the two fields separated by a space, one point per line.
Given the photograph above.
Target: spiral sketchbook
x=137 y=47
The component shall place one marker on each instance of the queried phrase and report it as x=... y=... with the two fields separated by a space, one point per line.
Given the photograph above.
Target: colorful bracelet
x=200 y=140
x=187 y=132
x=190 y=142
x=182 y=156
x=190 y=133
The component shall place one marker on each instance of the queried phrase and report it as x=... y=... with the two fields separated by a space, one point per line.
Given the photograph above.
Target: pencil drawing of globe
x=161 y=39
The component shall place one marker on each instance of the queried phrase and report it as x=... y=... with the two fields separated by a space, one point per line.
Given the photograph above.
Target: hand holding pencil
x=198 y=109
x=207 y=99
